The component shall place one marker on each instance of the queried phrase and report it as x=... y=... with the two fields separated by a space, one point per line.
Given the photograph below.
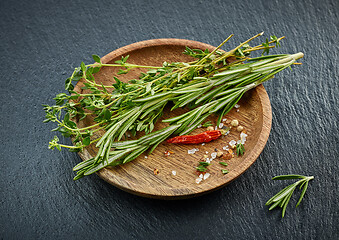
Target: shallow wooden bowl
x=138 y=176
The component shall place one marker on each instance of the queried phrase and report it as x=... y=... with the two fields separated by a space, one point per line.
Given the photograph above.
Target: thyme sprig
x=282 y=198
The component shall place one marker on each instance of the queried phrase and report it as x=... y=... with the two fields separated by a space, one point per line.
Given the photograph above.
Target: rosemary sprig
x=282 y=198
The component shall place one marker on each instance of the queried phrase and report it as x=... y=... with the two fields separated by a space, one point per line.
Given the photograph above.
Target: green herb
x=275 y=40
x=240 y=149
x=208 y=86
x=205 y=164
x=223 y=163
x=224 y=171
x=282 y=198
x=207 y=124
x=202 y=167
x=266 y=45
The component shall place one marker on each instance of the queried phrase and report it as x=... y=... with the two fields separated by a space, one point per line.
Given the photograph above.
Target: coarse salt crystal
x=224 y=120
x=243 y=135
x=214 y=155
x=221 y=125
x=237 y=110
x=201 y=176
x=225 y=148
x=198 y=180
x=216 y=128
x=196 y=149
x=208 y=160
x=174 y=173
x=206 y=152
x=146 y=157
x=206 y=176
x=237 y=106
x=191 y=151
x=232 y=143
x=242 y=141
x=202 y=144
x=199 y=126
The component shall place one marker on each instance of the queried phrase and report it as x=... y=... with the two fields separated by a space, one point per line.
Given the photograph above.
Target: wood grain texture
x=137 y=177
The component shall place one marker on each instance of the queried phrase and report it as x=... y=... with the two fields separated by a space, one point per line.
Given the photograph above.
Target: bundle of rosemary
x=212 y=84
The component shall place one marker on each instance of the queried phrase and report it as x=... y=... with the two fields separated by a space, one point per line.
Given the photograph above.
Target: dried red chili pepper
x=195 y=139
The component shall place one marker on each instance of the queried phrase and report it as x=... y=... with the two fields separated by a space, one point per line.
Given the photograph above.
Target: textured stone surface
x=41 y=42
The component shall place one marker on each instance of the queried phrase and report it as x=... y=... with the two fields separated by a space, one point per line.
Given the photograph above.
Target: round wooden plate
x=138 y=176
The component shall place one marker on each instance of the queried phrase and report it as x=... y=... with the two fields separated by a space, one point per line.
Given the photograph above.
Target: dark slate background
x=41 y=43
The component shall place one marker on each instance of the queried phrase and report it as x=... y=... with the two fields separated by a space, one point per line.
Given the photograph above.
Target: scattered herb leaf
x=207 y=124
x=240 y=149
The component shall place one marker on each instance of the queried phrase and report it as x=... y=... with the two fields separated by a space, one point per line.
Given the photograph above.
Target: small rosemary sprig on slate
x=282 y=198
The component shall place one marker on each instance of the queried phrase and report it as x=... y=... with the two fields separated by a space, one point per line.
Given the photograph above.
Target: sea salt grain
x=243 y=135
x=225 y=148
x=202 y=144
x=201 y=176
x=221 y=125
x=214 y=155
x=237 y=106
x=191 y=151
x=146 y=157
x=198 y=180
x=174 y=173
x=224 y=120
x=206 y=176
x=232 y=143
